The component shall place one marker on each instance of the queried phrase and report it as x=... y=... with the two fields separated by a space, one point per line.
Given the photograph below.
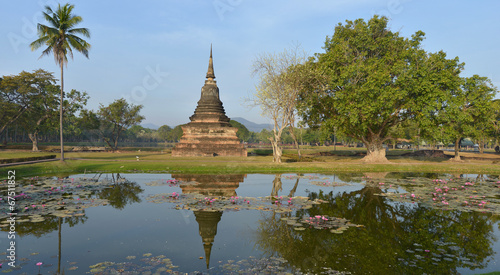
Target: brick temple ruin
x=209 y=132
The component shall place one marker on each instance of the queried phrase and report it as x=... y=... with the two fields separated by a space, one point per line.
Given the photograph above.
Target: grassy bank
x=312 y=162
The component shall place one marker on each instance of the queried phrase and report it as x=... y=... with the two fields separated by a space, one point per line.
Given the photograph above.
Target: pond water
x=254 y=224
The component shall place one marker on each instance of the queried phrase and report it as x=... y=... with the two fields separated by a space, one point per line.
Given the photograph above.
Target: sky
x=155 y=52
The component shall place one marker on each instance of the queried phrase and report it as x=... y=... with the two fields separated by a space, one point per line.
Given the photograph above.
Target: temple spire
x=210 y=72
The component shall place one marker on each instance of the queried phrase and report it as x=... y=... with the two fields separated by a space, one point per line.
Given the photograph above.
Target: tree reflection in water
x=397 y=238
x=121 y=193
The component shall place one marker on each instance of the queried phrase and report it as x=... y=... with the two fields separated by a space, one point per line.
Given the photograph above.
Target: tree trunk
x=294 y=189
x=116 y=138
x=295 y=140
x=457 y=149
x=109 y=143
x=277 y=151
x=115 y=147
x=34 y=140
x=481 y=145
x=277 y=186
x=61 y=113
x=375 y=152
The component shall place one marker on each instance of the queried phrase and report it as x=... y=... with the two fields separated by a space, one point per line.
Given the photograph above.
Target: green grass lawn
x=343 y=160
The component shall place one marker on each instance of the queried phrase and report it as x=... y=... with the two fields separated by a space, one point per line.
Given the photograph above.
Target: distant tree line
x=29 y=114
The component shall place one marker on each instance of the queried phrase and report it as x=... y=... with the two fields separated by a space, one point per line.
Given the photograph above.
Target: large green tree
x=115 y=118
x=60 y=37
x=22 y=93
x=370 y=79
x=468 y=110
x=43 y=112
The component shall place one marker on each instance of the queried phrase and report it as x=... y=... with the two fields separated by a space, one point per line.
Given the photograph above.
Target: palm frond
x=60 y=36
x=39 y=42
x=73 y=21
x=50 y=17
x=79 y=44
x=47 y=51
x=83 y=31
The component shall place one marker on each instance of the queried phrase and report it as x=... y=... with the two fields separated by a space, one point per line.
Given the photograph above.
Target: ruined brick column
x=209 y=132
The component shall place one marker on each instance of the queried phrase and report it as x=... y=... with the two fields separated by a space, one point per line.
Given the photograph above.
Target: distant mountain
x=252 y=126
x=150 y=126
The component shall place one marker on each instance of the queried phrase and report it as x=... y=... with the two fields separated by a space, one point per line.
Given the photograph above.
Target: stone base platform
x=209 y=141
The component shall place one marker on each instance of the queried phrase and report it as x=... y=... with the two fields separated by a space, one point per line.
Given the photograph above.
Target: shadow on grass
x=110 y=156
x=421 y=159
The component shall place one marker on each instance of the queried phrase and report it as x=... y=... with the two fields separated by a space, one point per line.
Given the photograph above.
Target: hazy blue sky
x=155 y=52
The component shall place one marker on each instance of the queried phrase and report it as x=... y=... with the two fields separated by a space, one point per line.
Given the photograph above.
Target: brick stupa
x=209 y=132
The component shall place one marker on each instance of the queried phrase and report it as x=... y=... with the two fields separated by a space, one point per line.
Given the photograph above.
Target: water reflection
x=49 y=225
x=121 y=192
x=398 y=238
x=277 y=185
x=209 y=185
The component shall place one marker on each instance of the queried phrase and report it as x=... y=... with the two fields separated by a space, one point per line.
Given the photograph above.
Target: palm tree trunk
x=59 y=248
x=61 y=113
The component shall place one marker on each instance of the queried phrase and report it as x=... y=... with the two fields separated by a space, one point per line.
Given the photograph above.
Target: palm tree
x=61 y=38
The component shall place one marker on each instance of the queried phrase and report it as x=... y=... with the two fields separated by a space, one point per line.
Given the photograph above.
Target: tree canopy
x=370 y=79
x=25 y=93
x=468 y=110
x=112 y=120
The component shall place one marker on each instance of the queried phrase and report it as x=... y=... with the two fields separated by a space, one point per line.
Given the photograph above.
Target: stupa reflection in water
x=209 y=185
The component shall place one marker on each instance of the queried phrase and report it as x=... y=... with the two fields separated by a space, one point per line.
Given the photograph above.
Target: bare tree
x=277 y=91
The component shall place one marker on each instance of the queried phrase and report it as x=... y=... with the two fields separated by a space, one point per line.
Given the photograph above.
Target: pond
x=390 y=223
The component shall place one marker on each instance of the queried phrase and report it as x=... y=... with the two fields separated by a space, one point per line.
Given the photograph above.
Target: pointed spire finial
x=208 y=250
x=210 y=72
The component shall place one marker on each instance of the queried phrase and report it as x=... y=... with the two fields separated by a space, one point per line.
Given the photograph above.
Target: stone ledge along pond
x=372 y=223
